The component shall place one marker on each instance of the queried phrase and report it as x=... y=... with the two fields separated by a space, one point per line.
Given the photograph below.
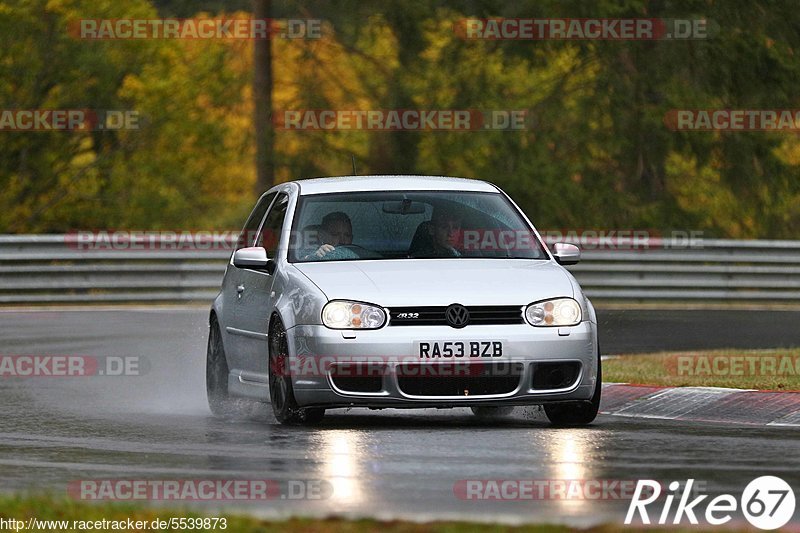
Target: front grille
x=357 y=377
x=434 y=316
x=459 y=379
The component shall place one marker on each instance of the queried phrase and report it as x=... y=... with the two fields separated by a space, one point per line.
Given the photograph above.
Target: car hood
x=440 y=281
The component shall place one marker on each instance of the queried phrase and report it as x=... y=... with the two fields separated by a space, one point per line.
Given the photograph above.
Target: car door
x=232 y=283
x=254 y=307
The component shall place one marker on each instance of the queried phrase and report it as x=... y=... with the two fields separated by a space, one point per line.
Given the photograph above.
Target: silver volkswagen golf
x=400 y=292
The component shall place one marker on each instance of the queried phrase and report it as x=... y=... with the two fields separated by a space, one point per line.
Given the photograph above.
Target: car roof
x=391 y=183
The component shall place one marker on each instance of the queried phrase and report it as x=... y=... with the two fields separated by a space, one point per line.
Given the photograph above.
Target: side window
x=247 y=236
x=271 y=231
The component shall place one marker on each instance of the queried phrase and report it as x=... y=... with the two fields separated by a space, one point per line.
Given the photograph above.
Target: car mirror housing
x=254 y=258
x=566 y=254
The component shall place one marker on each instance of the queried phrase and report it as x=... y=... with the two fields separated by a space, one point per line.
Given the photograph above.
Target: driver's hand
x=324 y=249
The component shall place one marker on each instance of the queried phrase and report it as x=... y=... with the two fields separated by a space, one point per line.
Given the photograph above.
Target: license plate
x=459 y=349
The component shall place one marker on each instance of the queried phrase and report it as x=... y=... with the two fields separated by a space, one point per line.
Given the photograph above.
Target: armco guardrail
x=38 y=269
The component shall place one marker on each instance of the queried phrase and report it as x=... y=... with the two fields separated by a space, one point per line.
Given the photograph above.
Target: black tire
x=219 y=401
x=581 y=413
x=489 y=413
x=281 y=393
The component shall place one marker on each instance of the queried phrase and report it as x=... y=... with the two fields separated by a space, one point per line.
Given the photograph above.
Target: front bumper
x=393 y=346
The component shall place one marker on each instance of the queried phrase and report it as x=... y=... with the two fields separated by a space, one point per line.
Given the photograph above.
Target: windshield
x=403 y=225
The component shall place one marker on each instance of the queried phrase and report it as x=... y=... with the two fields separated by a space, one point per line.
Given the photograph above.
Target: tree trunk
x=262 y=97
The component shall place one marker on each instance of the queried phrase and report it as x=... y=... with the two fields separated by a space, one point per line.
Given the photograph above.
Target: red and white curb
x=702 y=404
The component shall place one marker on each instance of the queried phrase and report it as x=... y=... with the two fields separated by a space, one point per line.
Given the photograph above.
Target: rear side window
x=248 y=234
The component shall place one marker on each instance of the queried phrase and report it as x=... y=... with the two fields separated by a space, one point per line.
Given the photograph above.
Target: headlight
x=352 y=315
x=558 y=312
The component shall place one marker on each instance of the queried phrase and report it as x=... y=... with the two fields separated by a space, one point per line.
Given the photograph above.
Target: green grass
x=682 y=369
x=48 y=507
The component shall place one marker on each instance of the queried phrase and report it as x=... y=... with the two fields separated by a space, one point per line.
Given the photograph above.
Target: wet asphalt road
x=378 y=463
x=645 y=331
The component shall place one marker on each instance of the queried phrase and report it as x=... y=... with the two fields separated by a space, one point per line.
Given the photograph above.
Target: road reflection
x=573 y=456
x=342 y=466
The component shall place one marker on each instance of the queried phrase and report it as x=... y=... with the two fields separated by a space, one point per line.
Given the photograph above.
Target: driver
x=336 y=230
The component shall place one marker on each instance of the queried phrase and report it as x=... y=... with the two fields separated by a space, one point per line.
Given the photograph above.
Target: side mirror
x=566 y=254
x=254 y=258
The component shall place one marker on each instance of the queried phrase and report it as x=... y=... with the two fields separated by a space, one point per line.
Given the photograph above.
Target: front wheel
x=578 y=413
x=281 y=393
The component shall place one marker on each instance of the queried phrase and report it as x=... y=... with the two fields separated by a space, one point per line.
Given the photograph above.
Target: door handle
x=239 y=290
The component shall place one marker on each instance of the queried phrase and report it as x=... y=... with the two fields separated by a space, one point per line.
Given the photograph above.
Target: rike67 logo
x=767 y=503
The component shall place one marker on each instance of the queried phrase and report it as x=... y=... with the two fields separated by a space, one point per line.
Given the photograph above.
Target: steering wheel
x=361 y=252
x=353 y=246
